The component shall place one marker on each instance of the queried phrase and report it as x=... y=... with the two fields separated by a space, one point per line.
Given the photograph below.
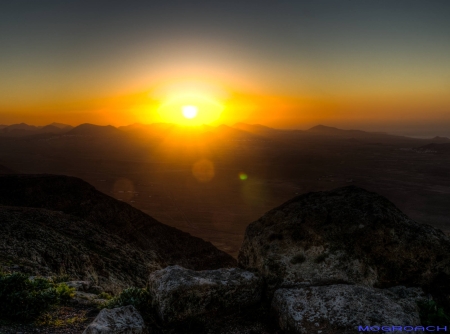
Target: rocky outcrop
x=122 y=320
x=343 y=308
x=179 y=294
x=347 y=235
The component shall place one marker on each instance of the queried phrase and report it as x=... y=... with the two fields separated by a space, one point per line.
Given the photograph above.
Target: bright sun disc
x=189 y=111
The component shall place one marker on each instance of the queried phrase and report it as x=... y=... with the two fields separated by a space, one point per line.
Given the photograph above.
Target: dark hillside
x=5 y=170
x=47 y=243
x=77 y=198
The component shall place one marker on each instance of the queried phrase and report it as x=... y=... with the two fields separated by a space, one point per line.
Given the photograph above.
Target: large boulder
x=347 y=235
x=344 y=308
x=121 y=320
x=179 y=294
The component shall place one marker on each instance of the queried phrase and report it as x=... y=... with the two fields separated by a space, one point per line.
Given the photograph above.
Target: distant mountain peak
x=89 y=125
x=256 y=129
x=241 y=124
x=321 y=127
x=441 y=139
x=60 y=125
x=21 y=126
x=92 y=129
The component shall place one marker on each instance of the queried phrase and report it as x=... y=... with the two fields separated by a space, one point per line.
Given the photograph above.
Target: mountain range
x=161 y=129
x=22 y=129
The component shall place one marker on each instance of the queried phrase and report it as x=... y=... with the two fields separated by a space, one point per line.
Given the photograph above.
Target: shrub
x=22 y=299
x=104 y=295
x=65 y=293
x=139 y=298
x=61 y=278
x=432 y=314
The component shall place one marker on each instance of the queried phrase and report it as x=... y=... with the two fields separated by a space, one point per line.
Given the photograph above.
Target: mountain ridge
x=89 y=129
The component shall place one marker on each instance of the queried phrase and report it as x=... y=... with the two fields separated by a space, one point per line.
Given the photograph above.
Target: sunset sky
x=374 y=65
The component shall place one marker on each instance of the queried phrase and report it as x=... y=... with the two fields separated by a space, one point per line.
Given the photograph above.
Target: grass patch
x=431 y=314
x=61 y=278
x=22 y=299
x=55 y=319
x=104 y=295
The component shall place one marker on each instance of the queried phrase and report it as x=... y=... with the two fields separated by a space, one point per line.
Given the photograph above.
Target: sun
x=189 y=103
x=189 y=111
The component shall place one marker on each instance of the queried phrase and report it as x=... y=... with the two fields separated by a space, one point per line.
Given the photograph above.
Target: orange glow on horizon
x=228 y=103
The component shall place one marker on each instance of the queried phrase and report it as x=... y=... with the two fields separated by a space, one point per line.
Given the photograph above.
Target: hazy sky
x=361 y=63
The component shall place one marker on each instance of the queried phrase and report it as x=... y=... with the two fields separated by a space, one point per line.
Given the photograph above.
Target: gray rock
x=86 y=298
x=32 y=278
x=85 y=295
x=343 y=308
x=347 y=235
x=79 y=285
x=96 y=289
x=179 y=293
x=122 y=320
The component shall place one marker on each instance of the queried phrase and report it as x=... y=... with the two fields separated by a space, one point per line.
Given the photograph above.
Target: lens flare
x=203 y=170
x=243 y=176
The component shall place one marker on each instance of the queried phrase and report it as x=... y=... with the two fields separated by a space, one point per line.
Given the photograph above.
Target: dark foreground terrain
x=73 y=258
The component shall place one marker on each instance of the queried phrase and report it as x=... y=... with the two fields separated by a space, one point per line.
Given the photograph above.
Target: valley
x=153 y=171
